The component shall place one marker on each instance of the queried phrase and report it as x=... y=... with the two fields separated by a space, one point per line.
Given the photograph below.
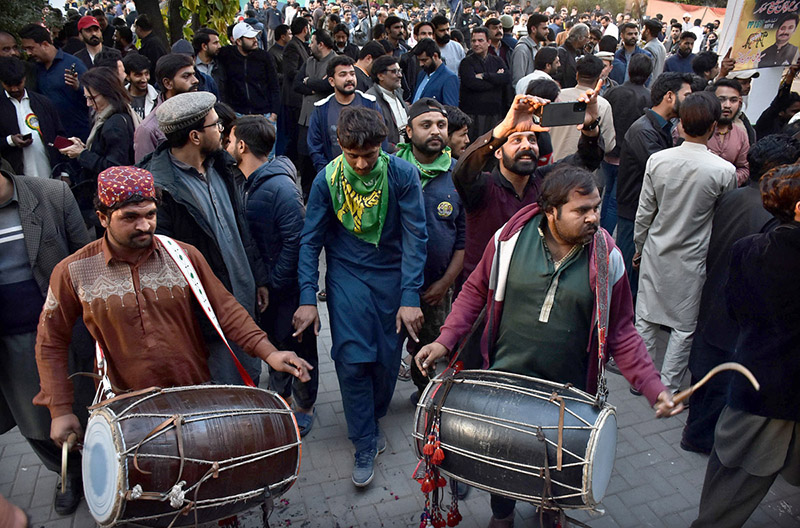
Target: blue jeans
x=367 y=389
x=626 y=246
x=608 y=214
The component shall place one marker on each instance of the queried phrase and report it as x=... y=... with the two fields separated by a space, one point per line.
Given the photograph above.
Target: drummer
x=537 y=282
x=137 y=305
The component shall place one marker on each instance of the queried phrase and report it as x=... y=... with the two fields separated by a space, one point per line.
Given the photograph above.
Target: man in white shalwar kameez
x=673 y=226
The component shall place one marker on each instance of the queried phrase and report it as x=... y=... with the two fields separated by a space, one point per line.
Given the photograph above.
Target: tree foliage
x=16 y=14
x=215 y=14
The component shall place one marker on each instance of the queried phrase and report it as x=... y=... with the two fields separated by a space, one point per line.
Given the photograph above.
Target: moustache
x=524 y=153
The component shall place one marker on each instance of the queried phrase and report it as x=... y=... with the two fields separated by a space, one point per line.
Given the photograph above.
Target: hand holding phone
x=561 y=114
x=60 y=142
x=27 y=136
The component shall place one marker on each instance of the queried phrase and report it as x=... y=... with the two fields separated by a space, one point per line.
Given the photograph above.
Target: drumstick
x=65 y=447
x=678 y=398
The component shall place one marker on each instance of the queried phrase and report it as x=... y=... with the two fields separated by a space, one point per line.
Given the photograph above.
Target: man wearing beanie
x=137 y=305
x=202 y=206
x=445 y=217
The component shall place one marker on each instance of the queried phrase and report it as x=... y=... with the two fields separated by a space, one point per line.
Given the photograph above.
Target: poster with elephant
x=767 y=34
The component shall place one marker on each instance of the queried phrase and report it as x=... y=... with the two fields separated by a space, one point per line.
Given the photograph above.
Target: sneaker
x=304 y=422
x=364 y=468
x=404 y=374
x=507 y=522
x=380 y=442
x=611 y=366
x=66 y=503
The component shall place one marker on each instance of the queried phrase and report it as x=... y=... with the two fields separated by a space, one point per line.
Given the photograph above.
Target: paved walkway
x=654 y=484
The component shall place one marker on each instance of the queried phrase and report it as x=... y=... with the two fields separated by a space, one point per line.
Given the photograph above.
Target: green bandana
x=427 y=171
x=360 y=202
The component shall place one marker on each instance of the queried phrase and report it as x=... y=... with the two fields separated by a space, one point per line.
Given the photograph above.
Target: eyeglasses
x=394 y=71
x=220 y=126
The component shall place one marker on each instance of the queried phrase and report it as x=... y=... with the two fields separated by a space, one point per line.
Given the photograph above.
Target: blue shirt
x=70 y=103
x=446 y=221
x=676 y=63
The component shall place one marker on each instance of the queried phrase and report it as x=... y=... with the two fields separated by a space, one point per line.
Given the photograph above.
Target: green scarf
x=427 y=171
x=360 y=202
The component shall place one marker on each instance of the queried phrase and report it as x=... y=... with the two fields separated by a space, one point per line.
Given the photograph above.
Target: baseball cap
x=87 y=22
x=243 y=29
x=423 y=106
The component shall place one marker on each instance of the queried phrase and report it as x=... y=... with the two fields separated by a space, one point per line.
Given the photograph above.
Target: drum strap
x=602 y=294
x=183 y=262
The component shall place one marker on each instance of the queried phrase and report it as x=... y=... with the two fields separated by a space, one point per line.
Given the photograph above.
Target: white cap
x=687 y=15
x=243 y=29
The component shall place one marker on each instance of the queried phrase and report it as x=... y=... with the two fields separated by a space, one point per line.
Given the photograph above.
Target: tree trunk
x=175 y=21
x=153 y=12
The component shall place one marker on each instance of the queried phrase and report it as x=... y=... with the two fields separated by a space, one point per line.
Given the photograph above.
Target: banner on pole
x=767 y=34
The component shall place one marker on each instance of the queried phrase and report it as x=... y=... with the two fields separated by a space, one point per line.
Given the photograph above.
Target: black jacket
x=483 y=96
x=410 y=66
x=251 y=81
x=180 y=216
x=763 y=296
x=49 y=124
x=643 y=138
x=294 y=56
x=628 y=103
x=565 y=76
x=275 y=214
x=112 y=147
x=350 y=49
x=153 y=49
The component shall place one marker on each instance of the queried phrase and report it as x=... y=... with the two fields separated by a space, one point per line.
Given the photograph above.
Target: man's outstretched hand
x=287 y=361
x=520 y=117
x=428 y=355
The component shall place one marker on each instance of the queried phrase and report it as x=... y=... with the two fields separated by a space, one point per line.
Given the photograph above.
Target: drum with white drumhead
x=187 y=455
x=503 y=432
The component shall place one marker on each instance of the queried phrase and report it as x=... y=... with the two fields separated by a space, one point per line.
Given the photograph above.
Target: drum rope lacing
x=176 y=495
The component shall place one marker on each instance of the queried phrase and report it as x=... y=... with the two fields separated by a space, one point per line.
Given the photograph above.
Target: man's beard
x=94 y=41
x=426 y=149
x=524 y=167
x=584 y=237
x=725 y=121
x=347 y=89
x=209 y=151
x=430 y=68
x=684 y=54
x=443 y=40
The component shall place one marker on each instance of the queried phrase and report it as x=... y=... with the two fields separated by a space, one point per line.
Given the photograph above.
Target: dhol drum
x=494 y=428
x=187 y=455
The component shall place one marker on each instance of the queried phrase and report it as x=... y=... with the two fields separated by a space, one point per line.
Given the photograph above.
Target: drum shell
x=228 y=422
x=488 y=432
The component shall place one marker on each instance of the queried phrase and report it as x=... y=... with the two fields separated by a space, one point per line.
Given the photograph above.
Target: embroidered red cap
x=117 y=184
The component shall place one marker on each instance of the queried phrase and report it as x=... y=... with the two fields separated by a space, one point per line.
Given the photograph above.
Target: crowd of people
x=408 y=143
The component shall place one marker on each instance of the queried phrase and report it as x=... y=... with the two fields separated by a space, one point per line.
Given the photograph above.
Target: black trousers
x=707 y=402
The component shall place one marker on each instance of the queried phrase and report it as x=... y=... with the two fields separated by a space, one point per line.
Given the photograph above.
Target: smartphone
x=61 y=142
x=73 y=70
x=26 y=137
x=561 y=114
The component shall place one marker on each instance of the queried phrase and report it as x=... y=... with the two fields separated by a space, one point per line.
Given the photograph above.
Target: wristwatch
x=591 y=126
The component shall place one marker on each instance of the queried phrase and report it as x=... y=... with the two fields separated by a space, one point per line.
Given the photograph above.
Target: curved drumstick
x=65 y=447
x=730 y=365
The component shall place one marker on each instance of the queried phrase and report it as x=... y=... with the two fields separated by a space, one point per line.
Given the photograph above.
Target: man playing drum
x=137 y=305
x=537 y=281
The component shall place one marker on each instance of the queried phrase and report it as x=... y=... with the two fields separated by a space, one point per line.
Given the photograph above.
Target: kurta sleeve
x=62 y=308
x=315 y=227
x=415 y=234
x=648 y=206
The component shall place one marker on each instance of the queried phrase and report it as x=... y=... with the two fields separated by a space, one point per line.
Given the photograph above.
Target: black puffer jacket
x=275 y=214
x=250 y=81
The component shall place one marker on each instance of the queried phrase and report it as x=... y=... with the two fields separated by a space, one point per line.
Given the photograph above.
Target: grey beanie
x=184 y=110
x=183 y=46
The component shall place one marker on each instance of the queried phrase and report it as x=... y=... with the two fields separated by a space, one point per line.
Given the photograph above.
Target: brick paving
x=654 y=484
